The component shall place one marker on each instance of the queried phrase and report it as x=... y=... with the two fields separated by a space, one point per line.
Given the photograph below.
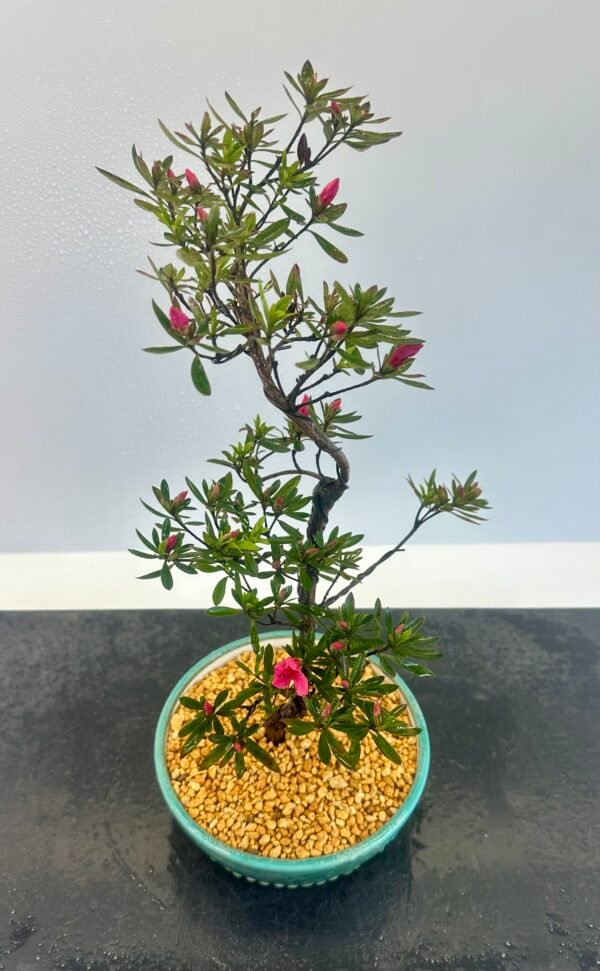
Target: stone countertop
x=498 y=870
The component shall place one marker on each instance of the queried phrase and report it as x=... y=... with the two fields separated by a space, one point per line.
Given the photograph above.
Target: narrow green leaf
x=201 y=382
x=331 y=250
x=165 y=576
x=123 y=183
x=219 y=591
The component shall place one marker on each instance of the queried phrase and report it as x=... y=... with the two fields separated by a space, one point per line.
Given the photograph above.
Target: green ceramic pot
x=264 y=870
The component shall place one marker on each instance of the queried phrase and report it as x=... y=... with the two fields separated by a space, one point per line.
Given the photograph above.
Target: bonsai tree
x=263 y=525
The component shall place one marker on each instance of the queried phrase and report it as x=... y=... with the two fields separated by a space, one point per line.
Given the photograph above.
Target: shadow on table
x=251 y=907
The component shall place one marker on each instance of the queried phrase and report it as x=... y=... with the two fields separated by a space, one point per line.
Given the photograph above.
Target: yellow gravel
x=309 y=809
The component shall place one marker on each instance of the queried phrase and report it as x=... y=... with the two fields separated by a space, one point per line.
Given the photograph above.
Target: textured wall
x=484 y=215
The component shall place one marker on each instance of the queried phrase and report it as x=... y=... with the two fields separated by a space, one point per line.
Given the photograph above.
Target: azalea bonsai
x=263 y=525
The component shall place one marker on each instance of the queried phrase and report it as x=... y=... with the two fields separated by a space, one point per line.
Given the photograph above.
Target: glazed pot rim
x=225 y=851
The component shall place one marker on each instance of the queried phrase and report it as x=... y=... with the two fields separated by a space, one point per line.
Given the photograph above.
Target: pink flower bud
x=329 y=192
x=179 y=320
x=337 y=646
x=304 y=408
x=326 y=711
x=335 y=108
x=238 y=746
x=277 y=564
x=171 y=174
x=180 y=497
x=343 y=625
x=279 y=503
x=232 y=534
x=377 y=709
x=345 y=684
x=192 y=179
x=398 y=630
x=402 y=353
x=208 y=708
x=338 y=330
x=336 y=404
x=170 y=544
x=201 y=214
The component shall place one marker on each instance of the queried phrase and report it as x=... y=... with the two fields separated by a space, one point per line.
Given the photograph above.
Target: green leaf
x=324 y=752
x=261 y=756
x=212 y=757
x=331 y=250
x=123 y=183
x=222 y=611
x=165 y=576
x=296 y=726
x=219 y=591
x=236 y=107
x=192 y=703
x=345 y=230
x=201 y=382
x=161 y=350
x=386 y=749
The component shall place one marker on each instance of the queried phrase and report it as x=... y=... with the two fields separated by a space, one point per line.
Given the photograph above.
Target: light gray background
x=484 y=215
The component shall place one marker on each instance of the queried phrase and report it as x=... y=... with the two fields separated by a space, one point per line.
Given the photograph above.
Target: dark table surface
x=498 y=869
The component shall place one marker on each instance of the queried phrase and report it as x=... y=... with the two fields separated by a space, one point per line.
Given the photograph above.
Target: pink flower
x=171 y=174
x=232 y=534
x=279 y=504
x=336 y=404
x=180 y=497
x=192 y=179
x=304 y=409
x=201 y=214
x=377 y=709
x=179 y=320
x=402 y=353
x=170 y=544
x=329 y=192
x=343 y=625
x=337 y=646
x=208 y=708
x=326 y=711
x=338 y=330
x=335 y=107
x=289 y=671
x=277 y=564
x=238 y=746
x=344 y=683
x=398 y=630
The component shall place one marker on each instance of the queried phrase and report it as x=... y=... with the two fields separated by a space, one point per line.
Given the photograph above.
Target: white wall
x=485 y=215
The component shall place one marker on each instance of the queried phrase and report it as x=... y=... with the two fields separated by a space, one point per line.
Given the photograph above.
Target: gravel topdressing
x=308 y=809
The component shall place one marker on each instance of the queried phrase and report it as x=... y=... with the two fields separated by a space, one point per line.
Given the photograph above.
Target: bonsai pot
x=290 y=873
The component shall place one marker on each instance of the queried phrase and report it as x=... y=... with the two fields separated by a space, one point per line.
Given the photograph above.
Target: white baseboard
x=477 y=575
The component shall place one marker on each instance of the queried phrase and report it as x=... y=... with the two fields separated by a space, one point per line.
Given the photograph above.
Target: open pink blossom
x=192 y=179
x=402 y=353
x=288 y=671
x=179 y=320
x=304 y=408
x=329 y=192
